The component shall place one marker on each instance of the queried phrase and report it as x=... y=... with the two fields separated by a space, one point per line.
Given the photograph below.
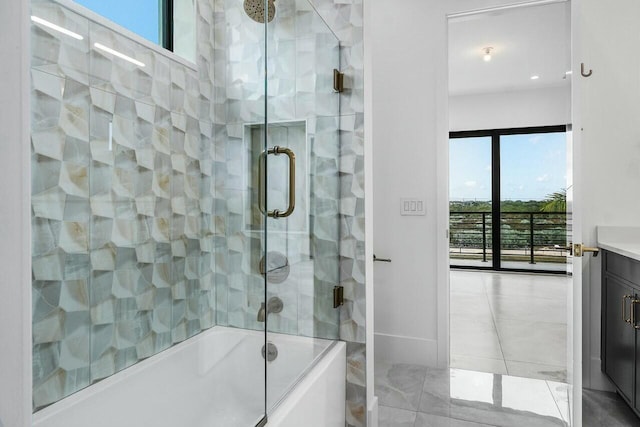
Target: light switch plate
x=413 y=207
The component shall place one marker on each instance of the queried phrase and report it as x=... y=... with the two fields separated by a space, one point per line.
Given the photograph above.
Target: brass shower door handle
x=292 y=182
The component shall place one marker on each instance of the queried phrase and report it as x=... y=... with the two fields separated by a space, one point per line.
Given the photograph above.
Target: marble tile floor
x=606 y=409
x=418 y=396
x=508 y=323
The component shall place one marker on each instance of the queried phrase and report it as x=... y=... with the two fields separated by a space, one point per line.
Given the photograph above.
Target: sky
x=139 y=16
x=532 y=167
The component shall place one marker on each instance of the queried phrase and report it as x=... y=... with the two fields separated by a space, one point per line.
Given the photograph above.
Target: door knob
x=579 y=250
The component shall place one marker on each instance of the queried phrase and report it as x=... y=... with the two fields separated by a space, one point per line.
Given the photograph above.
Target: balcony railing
x=524 y=236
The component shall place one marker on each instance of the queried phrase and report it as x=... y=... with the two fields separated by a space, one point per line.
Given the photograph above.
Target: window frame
x=496 y=135
x=166 y=24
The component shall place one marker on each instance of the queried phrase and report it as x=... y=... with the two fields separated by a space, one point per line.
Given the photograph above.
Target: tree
x=555 y=202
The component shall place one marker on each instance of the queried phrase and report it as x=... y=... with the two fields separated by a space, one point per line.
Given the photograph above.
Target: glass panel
x=470 y=219
x=142 y=180
x=533 y=185
x=302 y=258
x=241 y=294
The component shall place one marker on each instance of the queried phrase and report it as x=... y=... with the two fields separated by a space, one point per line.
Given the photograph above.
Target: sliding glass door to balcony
x=471 y=230
x=508 y=199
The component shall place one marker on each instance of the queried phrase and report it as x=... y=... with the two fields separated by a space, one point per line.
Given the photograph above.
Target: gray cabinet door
x=619 y=337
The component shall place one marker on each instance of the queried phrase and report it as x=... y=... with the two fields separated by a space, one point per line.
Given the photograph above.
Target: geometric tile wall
x=302 y=53
x=345 y=17
x=141 y=243
x=123 y=226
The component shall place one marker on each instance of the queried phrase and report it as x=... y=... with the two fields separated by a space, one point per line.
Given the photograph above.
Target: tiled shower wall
x=345 y=18
x=125 y=229
x=130 y=236
x=302 y=54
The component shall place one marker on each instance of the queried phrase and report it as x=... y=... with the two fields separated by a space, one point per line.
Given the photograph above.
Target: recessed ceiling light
x=535 y=77
x=487 y=54
x=568 y=73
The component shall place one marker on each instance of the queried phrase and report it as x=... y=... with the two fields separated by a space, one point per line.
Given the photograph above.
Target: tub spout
x=274 y=305
x=262 y=313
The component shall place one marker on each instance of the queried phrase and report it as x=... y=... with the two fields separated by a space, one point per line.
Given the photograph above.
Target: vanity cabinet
x=621 y=325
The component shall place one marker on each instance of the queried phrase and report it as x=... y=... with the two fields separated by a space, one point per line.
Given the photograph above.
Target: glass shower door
x=301 y=195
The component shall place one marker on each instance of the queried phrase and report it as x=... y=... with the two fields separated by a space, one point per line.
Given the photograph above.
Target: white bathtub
x=216 y=379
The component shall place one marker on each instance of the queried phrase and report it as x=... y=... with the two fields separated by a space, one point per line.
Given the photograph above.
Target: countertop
x=621 y=240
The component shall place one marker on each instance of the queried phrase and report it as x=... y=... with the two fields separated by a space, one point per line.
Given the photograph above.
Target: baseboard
x=399 y=349
x=598 y=380
x=372 y=413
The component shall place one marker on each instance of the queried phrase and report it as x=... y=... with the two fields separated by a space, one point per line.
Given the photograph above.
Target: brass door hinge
x=338 y=81
x=338 y=296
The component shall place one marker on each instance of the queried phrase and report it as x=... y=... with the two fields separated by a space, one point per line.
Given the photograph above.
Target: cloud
x=471 y=184
x=543 y=178
x=536 y=139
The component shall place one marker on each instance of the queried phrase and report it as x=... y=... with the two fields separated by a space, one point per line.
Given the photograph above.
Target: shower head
x=255 y=10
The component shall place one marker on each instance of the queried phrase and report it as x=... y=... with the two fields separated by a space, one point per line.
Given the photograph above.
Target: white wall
x=15 y=289
x=610 y=176
x=527 y=108
x=404 y=75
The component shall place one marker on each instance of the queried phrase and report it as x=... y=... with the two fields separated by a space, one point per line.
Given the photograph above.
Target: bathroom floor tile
x=553 y=287
x=394 y=417
x=606 y=409
x=399 y=385
x=528 y=308
x=491 y=319
x=474 y=306
x=462 y=398
x=427 y=420
x=533 y=342
x=479 y=364
x=492 y=399
x=560 y=393
x=466 y=282
x=474 y=338
x=538 y=371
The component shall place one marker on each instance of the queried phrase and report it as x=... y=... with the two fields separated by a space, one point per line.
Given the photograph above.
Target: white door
x=574 y=300
x=605 y=160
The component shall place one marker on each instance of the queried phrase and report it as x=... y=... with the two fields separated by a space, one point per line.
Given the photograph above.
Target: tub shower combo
x=185 y=219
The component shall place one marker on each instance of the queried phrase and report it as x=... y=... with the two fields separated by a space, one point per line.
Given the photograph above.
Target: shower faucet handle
x=376 y=259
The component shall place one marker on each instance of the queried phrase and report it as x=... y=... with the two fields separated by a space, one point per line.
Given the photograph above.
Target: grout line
x=424 y=381
x=515 y=319
x=553 y=396
x=495 y=326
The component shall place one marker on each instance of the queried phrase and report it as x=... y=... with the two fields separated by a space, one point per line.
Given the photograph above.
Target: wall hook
x=583 y=73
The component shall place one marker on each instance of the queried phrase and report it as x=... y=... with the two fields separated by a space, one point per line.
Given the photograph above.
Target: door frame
x=575 y=315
